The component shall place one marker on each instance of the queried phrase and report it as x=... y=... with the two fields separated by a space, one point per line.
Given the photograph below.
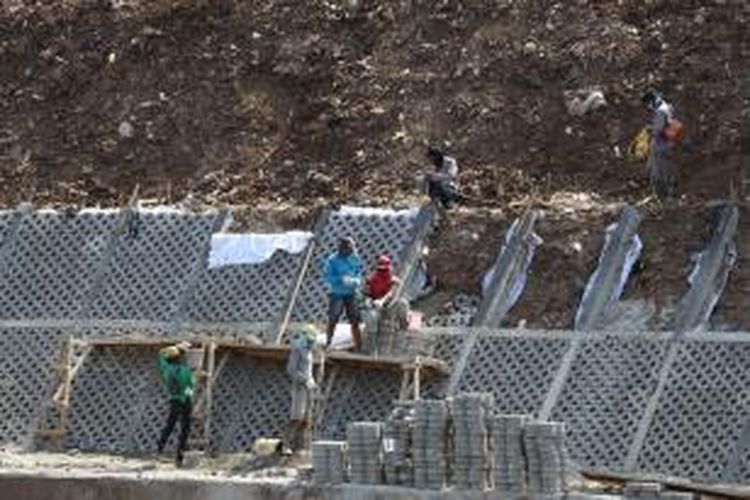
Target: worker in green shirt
x=179 y=381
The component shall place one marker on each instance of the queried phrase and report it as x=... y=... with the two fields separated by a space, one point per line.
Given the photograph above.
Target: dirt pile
x=241 y=102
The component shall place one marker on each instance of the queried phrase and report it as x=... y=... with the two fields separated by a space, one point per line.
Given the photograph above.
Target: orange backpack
x=674 y=131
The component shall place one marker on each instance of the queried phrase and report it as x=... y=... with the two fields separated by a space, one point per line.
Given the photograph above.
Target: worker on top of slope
x=299 y=367
x=665 y=131
x=442 y=184
x=343 y=275
x=179 y=381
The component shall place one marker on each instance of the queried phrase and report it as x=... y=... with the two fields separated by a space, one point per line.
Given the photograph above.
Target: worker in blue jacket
x=343 y=275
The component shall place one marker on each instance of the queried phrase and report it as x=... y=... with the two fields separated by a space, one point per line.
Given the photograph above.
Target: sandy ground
x=235 y=466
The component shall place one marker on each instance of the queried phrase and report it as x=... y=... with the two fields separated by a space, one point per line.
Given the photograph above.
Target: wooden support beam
x=210 y=379
x=291 y=299
x=430 y=367
x=675 y=483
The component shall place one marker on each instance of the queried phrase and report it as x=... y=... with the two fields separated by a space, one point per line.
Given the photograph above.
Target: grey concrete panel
x=605 y=395
x=702 y=411
x=251 y=400
x=51 y=263
x=710 y=275
x=28 y=375
x=605 y=281
x=512 y=261
x=446 y=347
x=245 y=293
x=516 y=368
x=150 y=272
x=358 y=395
x=118 y=403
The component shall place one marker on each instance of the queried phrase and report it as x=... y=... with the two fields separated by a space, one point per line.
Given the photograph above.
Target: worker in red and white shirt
x=382 y=283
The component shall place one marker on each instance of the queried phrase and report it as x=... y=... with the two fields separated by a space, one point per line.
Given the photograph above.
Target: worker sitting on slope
x=343 y=275
x=442 y=184
x=179 y=381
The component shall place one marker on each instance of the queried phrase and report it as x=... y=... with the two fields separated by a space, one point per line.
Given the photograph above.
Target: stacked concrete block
x=459 y=312
x=509 y=462
x=676 y=495
x=329 y=461
x=544 y=443
x=429 y=444
x=471 y=462
x=365 y=452
x=642 y=491
x=397 y=439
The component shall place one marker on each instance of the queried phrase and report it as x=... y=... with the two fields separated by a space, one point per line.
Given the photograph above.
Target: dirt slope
x=281 y=100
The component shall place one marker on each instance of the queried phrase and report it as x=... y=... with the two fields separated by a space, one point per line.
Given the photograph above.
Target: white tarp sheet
x=632 y=255
x=518 y=282
x=719 y=283
x=230 y=249
x=349 y=210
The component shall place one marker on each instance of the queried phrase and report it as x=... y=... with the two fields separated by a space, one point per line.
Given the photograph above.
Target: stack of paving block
x=544 y=443
x=652 y=491
x=642 y=491
x=509 y=463
x=470 y=412
x=397 y=438
x=675 y=495
x=329 y=461
x=365 y=452
x=429 y=444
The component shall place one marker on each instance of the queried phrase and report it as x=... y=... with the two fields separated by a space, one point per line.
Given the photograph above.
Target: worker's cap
x=309 y=330
x=346 y=242
x=384 y=262
x=306 y=336
x=172 y=352
x=651 y=97
x=434 y=151
x=183 y=346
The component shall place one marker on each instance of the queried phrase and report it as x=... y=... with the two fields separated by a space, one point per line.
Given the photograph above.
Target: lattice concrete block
x=52 y=262
x=358 y=395
x=118 y=402
x=245 y=293
x=375 y=233
x=516 y=368
x=28 y=375
x=251 y=400
x=150 y=273
x=137 y=331
x=700 y=416
x=7 y=218
x=606 y=393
